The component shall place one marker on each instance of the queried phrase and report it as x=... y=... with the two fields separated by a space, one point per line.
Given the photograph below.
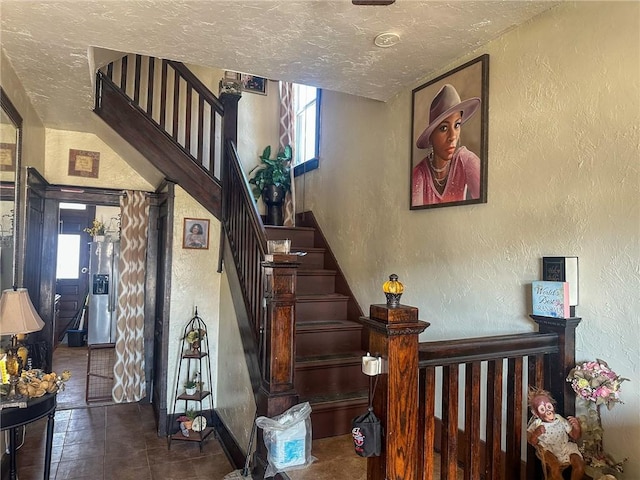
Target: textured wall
x=33 y=130
x=563 y=179
x=114 y=172
x=235 y=403
x=194 y=283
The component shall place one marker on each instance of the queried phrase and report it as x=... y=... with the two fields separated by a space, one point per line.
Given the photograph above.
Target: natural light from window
x=68 y=264
x=305 y=104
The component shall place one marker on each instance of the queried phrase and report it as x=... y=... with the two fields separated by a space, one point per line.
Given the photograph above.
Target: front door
x=72 y=278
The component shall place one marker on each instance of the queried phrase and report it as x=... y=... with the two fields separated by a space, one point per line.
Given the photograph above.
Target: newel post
x=393 y=335
x=276 y=393
x=230 y=120
x=558 y=365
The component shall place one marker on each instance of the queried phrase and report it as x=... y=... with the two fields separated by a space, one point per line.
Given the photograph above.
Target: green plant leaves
x=272 y=171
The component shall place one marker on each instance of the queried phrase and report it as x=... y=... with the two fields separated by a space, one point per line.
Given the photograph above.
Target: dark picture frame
x=83 y=163
x=253 y=84
x=191 y=237
x=470 y=80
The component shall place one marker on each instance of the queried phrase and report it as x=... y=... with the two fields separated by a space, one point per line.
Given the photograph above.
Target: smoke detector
x=387 y=39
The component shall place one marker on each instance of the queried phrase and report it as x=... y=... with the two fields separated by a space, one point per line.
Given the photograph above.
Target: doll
x=554 y=437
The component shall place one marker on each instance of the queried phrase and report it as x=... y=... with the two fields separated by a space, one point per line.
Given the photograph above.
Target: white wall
x=564 y=177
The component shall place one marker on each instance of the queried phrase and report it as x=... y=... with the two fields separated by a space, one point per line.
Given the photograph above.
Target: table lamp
x=17 y=316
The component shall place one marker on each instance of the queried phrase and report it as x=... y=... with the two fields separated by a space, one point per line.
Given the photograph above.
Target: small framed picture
x=196 y=233
x=253 y=84
x=7 y=157
x=83 y=163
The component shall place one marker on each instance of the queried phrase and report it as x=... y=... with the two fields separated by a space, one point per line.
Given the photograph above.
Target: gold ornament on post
x=393 y=290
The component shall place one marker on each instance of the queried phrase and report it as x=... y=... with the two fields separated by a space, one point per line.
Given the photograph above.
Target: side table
x=13 y=417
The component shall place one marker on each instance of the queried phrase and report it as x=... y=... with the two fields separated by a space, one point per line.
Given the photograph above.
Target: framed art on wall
x=83 y=163
x=253 y=84
x=8 y=157
x=195 y=233
x=449 y=132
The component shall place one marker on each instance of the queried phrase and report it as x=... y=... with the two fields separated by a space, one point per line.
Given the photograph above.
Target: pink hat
x=446 y=102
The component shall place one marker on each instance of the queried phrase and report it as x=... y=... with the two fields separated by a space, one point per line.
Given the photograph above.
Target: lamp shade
x=17 y=313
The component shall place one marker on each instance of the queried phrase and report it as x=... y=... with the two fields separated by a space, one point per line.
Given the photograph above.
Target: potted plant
x=272 y=179
x=186 y=420
x=190 y=387
x=96 y=230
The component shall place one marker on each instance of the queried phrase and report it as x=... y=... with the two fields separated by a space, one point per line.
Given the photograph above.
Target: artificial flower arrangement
x=596 y=384
x=35 y=383
x=195 y=335
x=96 y=228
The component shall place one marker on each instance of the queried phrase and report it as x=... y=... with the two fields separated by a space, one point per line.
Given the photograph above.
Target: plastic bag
x=288 y=439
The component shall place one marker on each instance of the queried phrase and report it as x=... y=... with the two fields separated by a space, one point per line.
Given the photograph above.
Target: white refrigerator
x=103 y=292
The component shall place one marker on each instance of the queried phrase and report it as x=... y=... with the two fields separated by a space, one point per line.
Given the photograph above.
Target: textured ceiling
x=328 y=44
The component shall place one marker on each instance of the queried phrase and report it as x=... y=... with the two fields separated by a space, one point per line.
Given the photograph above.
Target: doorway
x=73 y=284
x=43 y=227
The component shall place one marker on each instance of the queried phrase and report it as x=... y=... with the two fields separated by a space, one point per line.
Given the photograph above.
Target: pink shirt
x=463 y=182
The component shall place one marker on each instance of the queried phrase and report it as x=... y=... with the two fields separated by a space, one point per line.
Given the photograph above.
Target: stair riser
x=328 y=380
x=312 y=260
x=299 y=238
x=337 y=421
x=309 y=310
x=314 y=284
x=327 y=342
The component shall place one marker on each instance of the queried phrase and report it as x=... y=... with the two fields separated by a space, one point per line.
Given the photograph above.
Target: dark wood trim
x=131 y=123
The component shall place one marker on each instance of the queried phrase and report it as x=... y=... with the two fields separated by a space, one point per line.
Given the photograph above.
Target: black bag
x=367 y=434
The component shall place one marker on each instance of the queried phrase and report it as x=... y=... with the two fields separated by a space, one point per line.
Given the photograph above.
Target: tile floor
x=107 y=441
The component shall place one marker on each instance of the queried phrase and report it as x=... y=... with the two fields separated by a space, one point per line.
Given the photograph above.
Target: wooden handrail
x=168 y=101
x=466 y=350
x=268 y=286
x=489 y=374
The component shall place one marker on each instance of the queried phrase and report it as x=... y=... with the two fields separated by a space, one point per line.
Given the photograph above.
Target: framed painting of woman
x=449 y=134
x=195 y=233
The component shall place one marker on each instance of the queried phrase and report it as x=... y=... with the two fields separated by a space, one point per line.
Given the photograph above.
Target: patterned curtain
x=129 y=378
x=287 y=123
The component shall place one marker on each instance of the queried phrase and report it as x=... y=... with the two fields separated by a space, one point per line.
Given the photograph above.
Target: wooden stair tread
x=334 y=325
x=322 y=297
x=352 y=358
x=286 y=227
x=327 y=401
x=315 y=271
x=296 y=248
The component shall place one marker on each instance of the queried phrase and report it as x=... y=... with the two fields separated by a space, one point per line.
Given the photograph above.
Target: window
x=306 y=105
x=68 y=263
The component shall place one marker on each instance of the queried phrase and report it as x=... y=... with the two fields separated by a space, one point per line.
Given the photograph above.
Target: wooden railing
x=499 y=366
x=176 y=101
x=245 y=234
x=489 y=374
x=266 y=308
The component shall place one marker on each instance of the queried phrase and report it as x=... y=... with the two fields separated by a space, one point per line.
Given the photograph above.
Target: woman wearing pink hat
x=449 y=172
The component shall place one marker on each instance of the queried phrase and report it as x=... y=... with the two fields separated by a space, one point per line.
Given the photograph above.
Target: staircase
x=328 y=346
x=153 y=113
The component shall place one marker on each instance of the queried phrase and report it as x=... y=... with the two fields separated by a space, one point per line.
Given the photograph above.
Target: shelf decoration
x=194 y=360
x=393 y=290
x=194 y=337
x=550 y=299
